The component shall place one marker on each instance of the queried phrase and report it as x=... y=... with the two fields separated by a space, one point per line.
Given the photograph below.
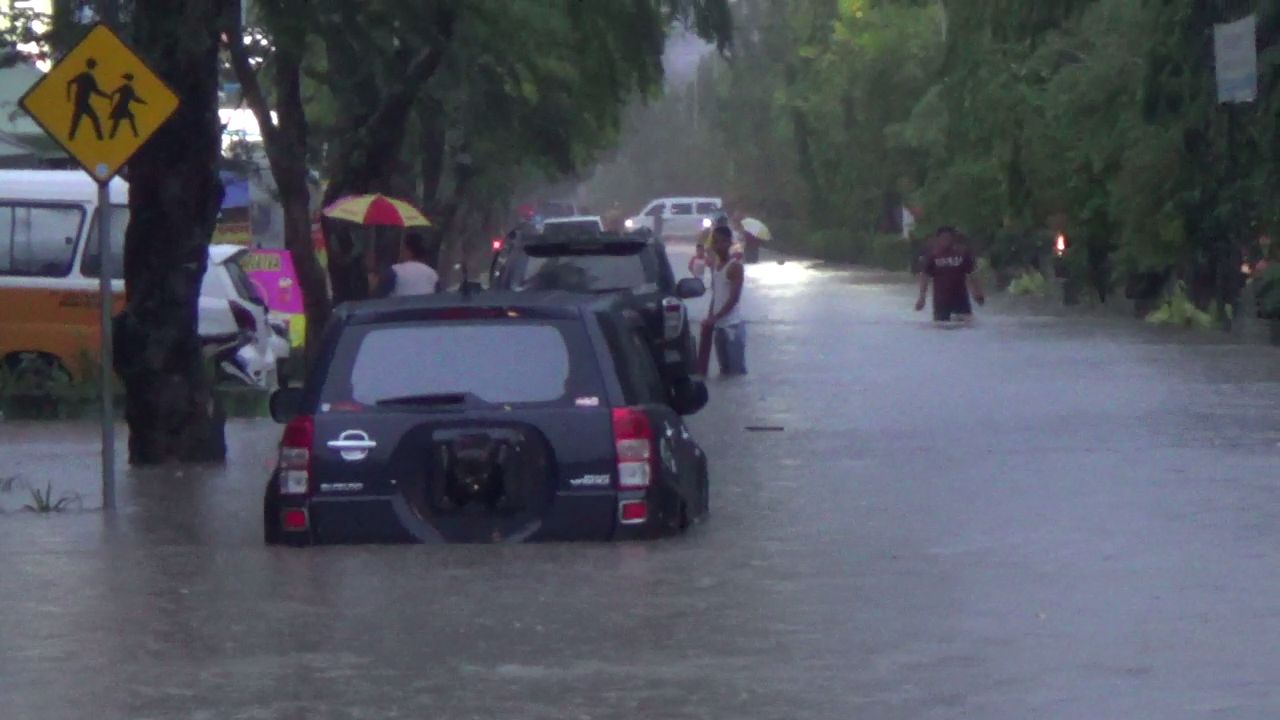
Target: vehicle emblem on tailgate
x=592 y=481
x=353 y=445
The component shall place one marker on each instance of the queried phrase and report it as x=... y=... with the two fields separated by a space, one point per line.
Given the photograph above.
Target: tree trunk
x=296 y=201
x=433 y=129
x=174 y=199
x=285 y=140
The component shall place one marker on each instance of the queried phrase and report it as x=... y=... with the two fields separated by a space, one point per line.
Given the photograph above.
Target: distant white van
x=681 y=216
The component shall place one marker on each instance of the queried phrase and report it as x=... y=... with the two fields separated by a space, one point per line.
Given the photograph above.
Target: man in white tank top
x=412 y=275
x=725 y=321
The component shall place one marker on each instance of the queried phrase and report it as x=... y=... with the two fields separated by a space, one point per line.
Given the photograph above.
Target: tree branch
x=250 y=87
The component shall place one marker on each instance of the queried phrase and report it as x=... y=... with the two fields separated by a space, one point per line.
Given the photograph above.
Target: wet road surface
x=1038 y=517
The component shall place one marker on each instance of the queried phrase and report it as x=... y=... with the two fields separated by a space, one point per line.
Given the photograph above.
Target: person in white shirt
x=725 y=323
x=412 y=275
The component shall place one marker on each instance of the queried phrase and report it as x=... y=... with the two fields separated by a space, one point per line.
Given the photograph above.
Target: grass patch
x=43 y=502
x=1178 y=310
x=1030 y=283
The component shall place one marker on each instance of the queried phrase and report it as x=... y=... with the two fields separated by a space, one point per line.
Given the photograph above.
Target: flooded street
x=1057 y=517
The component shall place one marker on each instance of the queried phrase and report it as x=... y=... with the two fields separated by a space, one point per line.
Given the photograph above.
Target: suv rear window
x=557 y=209
x=496 y=362
x=562 y=228
x=591 y=268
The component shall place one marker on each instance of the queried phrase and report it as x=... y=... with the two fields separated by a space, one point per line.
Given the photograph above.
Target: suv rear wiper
x=436 y=400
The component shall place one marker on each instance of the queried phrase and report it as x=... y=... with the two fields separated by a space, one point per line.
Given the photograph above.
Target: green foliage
x=1013 y=121
x=1029 y=283
x=1178 y=310
x=891 y=252
x=1011 y=250
x=1269 y=293
x=839 y=245
x=35 y=388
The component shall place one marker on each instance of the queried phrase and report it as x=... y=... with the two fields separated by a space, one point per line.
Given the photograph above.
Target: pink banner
x=271 y=272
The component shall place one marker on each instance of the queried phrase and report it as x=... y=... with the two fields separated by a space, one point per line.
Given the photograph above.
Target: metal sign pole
x=107 y=298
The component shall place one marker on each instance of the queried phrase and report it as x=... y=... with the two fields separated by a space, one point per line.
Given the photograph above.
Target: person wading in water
x=950 y=265
x=725 y=327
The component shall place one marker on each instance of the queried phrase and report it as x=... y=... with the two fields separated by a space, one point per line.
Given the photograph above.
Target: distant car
x=540 y=416
x=611 y=263
x=551 y=209
x=234 y=323
x=682 y=217
x=575 y=225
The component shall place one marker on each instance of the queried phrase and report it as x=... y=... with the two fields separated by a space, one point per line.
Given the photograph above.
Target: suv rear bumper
x=378 y=519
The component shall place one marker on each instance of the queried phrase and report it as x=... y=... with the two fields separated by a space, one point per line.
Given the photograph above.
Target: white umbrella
x=757 y=228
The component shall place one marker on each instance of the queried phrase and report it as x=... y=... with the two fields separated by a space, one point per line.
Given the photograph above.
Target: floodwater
x=1057 y=517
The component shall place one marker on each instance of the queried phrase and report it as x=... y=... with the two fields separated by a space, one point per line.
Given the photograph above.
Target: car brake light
x=294 y=520
x=497 y=245
x=295 y=456
x=633 y=440
x=243 y=316
x=672 y=318
x=633 y=512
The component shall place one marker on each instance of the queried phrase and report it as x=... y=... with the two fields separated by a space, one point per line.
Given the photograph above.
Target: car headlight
x=706 y=223
x=629 y=224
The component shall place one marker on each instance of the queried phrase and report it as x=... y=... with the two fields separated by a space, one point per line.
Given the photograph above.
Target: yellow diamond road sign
x=101 y=103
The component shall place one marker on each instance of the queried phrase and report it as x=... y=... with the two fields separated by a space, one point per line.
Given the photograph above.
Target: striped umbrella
x=377 y=209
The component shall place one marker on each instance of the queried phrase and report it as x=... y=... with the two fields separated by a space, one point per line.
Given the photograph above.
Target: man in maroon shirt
x=950 y=265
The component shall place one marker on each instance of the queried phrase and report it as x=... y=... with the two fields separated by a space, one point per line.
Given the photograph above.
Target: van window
x=681 y=208
x=91 y=263
x=707 y=208
x=38 y=240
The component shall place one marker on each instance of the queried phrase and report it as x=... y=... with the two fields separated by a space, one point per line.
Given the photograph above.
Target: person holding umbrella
x=754 y=233
x=411 y=276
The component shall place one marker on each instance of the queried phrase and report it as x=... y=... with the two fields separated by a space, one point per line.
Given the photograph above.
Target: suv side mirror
x=286 y=404
x=689 y=396
x=690 y=288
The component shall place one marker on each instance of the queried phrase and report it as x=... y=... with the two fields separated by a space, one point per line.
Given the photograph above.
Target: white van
x=49 y=260
x=682 y=217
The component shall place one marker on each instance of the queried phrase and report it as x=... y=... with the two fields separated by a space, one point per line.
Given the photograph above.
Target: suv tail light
x=672 y=318
x=243 y=316
x=295 y=456
x=633 y=439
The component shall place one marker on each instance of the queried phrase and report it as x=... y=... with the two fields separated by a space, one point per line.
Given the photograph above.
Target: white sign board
x=1235 y=51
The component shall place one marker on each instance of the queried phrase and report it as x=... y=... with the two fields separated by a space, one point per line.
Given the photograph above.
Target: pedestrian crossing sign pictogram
x=100 y=103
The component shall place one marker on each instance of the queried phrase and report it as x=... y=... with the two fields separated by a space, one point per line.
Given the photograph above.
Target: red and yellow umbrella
x=377 y=209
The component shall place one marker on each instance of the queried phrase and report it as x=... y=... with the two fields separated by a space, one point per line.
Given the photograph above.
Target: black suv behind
x=491 y=418
x=636 y=265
